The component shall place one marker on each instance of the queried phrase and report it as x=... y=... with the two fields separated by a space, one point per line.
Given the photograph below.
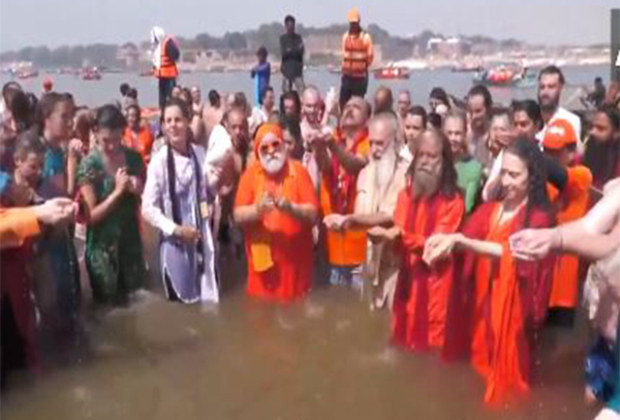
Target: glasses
x=275 y=146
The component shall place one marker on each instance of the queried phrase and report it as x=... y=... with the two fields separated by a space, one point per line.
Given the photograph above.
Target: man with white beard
x=378 y=185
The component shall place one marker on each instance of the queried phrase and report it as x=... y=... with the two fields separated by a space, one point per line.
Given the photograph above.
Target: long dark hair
x=448 y=186
x=537 y=198
x=172 y=175
x=602 y=157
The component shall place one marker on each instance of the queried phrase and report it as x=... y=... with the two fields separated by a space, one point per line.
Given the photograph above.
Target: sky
x=71 y=22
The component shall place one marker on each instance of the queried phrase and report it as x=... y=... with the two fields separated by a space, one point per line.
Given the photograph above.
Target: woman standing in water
x=57 y=256
x=110 y=179
x=510 y=297
x=175 y=201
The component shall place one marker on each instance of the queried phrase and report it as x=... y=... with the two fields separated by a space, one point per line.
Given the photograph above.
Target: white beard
x=273 y=164
x=384 y=170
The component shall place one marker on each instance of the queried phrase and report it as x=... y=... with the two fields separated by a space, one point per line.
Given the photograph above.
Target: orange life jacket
x=168 y=68
x=357 y=54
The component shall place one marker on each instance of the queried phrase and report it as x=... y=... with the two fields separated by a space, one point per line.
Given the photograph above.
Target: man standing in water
x=292 y=52
x=341 y=158
x=166 y=53
x=276 y=206
x=378 y=186
x=357 y=56
x=550 y=85
x=429 y=204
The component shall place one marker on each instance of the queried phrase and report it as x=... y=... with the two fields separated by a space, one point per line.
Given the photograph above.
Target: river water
x=326 y=357
x=94 y=93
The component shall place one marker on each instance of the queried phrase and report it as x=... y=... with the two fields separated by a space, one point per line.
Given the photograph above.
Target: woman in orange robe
x=498 y=302
x=276 y=206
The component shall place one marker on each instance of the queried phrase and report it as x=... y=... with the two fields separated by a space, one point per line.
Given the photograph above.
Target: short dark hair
x=133 y=93
x=440 y=94
x=418 y=111
x=289 y=18
x=182 y=105
x=267 y=89
x=531 y=108
x=214 y=98
x=262 y=51
x=551 y=70
x=481 y=90
x=293 y=96
x=110 y=117
x=46 y=106
x=124 y=88
x=435 y=120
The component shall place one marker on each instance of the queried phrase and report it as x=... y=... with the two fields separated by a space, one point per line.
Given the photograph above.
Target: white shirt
x=573 y=119
x=155 y=197
x=219 y=155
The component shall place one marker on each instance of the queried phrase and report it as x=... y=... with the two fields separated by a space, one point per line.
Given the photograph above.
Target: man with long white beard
x=276 y=207
x=430 y=203
x=378 y=186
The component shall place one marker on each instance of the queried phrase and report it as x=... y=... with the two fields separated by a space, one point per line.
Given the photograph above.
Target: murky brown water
x=327 y=357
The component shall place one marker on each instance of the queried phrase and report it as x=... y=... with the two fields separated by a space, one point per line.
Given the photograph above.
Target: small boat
x=392 y=72
x=504 y=76
x=467 y=68
x=91 y=73
x=27 y=74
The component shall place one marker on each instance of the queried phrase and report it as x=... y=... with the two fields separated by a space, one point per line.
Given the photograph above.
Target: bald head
x=311 y=104
x=383 y=129
x=383 y=99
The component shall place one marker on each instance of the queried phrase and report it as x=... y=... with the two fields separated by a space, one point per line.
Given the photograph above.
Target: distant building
x=448 y=48
x=128 y=54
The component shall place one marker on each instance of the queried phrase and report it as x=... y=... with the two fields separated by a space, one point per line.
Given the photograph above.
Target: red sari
x=502 y=300
x=421 y=297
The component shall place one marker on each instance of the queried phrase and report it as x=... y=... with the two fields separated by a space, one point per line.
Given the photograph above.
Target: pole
x=615 y=45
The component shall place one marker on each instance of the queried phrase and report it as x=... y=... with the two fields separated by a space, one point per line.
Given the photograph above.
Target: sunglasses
x=275 y=146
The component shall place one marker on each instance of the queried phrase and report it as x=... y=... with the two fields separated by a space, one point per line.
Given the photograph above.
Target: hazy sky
x=58 y=22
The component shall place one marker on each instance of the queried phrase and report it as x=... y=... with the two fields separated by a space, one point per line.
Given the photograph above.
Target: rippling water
x=326 y=357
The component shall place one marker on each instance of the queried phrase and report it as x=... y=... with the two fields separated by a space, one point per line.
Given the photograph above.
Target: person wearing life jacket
x=166 y=53
x=357 y=56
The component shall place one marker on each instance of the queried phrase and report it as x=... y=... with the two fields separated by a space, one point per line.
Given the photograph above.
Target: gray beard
x=424 y=184
x=384 y=170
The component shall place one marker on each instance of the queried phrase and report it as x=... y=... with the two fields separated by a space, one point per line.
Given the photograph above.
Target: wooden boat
x=392 y=72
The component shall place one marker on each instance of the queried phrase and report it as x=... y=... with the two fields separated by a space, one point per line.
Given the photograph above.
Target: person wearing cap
x=560 y=142
x=47 y=85
x=357 y=56
x=276 y=207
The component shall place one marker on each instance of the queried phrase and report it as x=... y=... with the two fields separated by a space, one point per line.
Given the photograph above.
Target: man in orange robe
x=560 y=142
x=276 y=207
x=430 y=203
x=340 y=159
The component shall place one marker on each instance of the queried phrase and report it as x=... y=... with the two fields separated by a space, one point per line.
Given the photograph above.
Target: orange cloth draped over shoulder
x=506 y=303
x=337 y=195
x=279 y=247
x=421 y=297
x=16 y=226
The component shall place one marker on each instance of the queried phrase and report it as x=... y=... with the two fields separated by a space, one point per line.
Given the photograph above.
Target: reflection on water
x=327 y=357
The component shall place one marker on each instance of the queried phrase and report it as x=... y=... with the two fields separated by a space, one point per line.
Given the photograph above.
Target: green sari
x=114 y=257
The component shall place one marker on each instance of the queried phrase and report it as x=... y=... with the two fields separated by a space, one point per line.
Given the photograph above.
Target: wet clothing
x=337 y=195
x=279 y=247
x=498 y=303
x=114 y=257
x=421 y=298
x=176 y=194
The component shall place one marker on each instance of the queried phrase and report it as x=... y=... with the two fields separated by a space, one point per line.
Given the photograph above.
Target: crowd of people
x=465 y=219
